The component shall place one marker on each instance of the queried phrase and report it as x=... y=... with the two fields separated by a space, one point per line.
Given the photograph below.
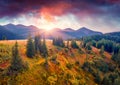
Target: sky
x=98 y=15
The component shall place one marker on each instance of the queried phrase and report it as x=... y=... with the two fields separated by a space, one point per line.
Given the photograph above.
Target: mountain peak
x=84 y=29
x=10 y=24
x=20 y=26
x=23 y=31
x=69 y=29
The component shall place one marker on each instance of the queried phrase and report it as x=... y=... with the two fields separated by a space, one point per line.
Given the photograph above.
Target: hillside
x=64 y=66
x=113 y=36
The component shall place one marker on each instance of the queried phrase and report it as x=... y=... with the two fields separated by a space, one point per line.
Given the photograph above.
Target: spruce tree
x=30 y=48
x=98 y=78
x=67 y=43
x=88 y=47
x=4 y=37
x=116 y=57
x=102 y=50
x=117 y=81
x=74 y=44
x=44 y=48
x=17 y=64
x=37 y=42
x=58 y=42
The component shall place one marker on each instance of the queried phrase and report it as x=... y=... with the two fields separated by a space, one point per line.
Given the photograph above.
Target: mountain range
x=20 y=31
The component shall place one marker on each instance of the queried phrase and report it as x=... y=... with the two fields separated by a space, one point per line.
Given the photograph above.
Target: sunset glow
x=98 y=16
x=59 y=42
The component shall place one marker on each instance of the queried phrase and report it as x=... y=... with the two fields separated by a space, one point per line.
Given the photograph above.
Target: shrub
x=69 y=66
x=77 y=63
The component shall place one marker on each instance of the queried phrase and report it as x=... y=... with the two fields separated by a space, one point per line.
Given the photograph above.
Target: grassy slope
x=56 y=73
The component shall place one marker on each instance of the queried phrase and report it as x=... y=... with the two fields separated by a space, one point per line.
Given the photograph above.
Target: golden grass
x=39 y=75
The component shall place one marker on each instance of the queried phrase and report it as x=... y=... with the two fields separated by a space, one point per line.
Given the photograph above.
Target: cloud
x=92 y=13
x=12 y=8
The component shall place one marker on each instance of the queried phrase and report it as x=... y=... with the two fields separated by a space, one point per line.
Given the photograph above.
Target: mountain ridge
x=23 y=31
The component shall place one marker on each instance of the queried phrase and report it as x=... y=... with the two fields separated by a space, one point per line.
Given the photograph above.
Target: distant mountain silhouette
x=20 y=31
x=80 y=32
x=9 y=35
x=85 y=32
x=69 y=30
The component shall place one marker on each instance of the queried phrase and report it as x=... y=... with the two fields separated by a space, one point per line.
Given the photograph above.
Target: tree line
x=36 y=46
x=105 y=45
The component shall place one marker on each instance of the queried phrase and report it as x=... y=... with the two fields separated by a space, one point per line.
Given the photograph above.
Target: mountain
x=57 y=32
x=85 y=32
x=70 y=33
x=7 y=34
x=69 y=30
x=22 y=32
x=82 y=32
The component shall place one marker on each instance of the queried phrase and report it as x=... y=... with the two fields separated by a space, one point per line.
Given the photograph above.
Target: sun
x=47 y=28
x=46 y=24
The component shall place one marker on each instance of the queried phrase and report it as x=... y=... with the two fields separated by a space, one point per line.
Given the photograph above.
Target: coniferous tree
x=4 y=37
x=30 y=48
x=102 y=50
x=98 y=78
x=67 y=43
x=17 y=64
x=44 y=48
x=116 y=48
x=58 y=42
x=74 y=44
x=106 y=81
x=117 y=81
x=93 y=43
x=88 y=47
x=116 y=58
x=37 y=42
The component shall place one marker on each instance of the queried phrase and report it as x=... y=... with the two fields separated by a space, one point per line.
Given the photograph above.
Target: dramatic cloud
x=58 y=7
x=88 y=11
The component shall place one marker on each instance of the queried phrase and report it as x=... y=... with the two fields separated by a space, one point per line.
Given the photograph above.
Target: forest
x=87 y=61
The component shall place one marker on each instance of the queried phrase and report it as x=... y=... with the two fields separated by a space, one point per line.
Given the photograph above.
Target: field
x=65 y=65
